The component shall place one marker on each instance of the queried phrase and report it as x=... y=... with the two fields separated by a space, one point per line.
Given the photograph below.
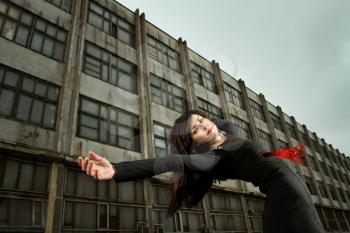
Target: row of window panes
x=266 y=140
x=22 y=214
x=161 y=139
x=83 y=215
x=167 y=94
x=32 y=31
x=243 y=128
x=322 y=189
x=111 y=23
x=24 y=176
x=313 y=163
x=257 y=110
x=163 y=53
x=65 y=5
x=107 y=124
x=80 y=185
x=212 y=110
x=28 y=99
x=203 y=77
x=233 y=95
x=110 y=68
x=276 y=121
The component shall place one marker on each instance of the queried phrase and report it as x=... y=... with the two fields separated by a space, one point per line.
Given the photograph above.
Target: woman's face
x=202 y=130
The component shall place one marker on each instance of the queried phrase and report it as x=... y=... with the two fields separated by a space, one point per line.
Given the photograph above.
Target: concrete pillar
x=221 y=91
x=269 y=121
x=313 y=179
x=245 y=100
x=187 y=74
x=145 y=108
x=55 y=198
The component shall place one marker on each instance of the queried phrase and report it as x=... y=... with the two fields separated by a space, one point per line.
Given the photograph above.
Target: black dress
x=289 y=207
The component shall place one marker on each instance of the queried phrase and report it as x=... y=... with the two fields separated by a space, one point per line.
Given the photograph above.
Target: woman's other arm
x=101 y=169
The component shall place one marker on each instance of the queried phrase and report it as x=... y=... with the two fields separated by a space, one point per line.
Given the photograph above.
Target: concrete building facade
x=79 y=75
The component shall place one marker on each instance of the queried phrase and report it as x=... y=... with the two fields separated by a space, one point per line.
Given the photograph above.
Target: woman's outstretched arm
x=101 y=169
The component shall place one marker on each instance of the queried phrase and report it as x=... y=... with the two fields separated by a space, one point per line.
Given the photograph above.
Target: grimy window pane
x=49 y=115
x=37 y=41
x=9 y=29
x=22 y=35
x=41 y=178
x=26 y=176
x=10 y=175
x=37 y=111
x=6 y=101
x=24 y=107
x=28 y=85
x=11 y=78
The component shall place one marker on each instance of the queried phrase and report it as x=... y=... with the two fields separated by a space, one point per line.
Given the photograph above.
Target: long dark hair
x=188 y=187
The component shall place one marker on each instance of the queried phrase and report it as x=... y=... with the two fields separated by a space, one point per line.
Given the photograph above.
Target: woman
x=202 y=153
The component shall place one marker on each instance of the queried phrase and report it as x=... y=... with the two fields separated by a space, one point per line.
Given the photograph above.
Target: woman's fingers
x=89 y=167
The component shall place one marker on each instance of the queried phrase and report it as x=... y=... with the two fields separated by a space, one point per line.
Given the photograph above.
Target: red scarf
x=294 y=154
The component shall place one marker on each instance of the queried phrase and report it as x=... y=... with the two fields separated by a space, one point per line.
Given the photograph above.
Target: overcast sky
x=297 y=53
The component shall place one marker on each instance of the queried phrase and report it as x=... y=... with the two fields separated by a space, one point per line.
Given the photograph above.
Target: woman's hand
x=96 y=166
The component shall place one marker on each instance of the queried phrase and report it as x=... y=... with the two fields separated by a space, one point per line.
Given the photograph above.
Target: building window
x=32 y=31
x=276 y=121
x=255 y=210
x=341 y=220
x=161 y=140
x=292 y=131
x=257 y=110
x=333 y=192
x=266 y=140
x=282 y=144
x=108 y=204
x=163 y=53
x=111 y=23
x=341 y=194
x=313 y=163
x=226 y=212
x=332 y=222
x=107 y=124
x=310 y=185
x=65 y=5
x=110 y=68
x=212 y=110
x=203 y=77
x=184 y=220
x=26 y=98
x=322 y=189
x=333 y=172
x=243 y=128
x=18 y=178
x=168 y=94
x=324 y=168
x=233 y=95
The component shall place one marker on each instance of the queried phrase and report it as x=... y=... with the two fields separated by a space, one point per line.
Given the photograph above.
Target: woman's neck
x=220 y=138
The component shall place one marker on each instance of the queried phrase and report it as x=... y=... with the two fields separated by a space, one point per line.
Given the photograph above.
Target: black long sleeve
x=138 y=169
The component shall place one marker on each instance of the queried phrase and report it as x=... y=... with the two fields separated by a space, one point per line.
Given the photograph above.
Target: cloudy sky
x=297 y=53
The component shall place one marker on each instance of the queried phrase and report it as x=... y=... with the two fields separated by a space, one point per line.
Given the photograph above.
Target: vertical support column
x=55 y=199
x=313 y=179
x=207 y=212
x=246 y=214
x=289 y=139
x=221 y=92
x=337 y=178
x=145 y=108
x=269 y=121
x=245 y=100
x=187 y=74
x=69 y=94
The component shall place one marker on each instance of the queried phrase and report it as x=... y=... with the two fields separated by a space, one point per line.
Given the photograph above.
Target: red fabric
x=294 y=154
